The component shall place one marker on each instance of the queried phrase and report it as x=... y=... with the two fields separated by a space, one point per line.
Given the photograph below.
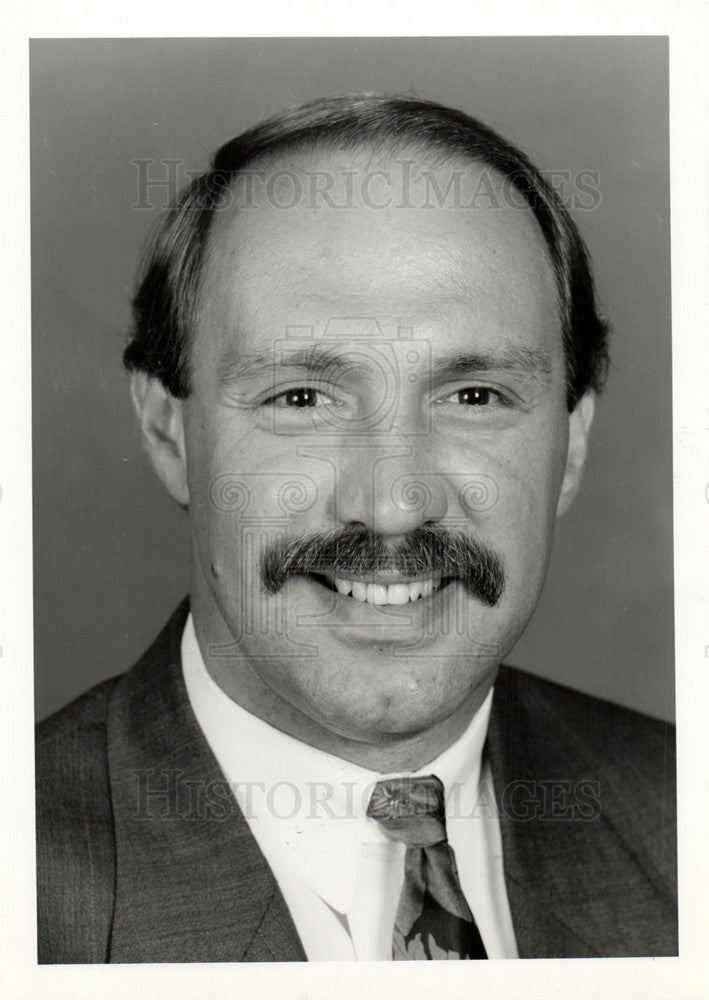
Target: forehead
x=399 y=237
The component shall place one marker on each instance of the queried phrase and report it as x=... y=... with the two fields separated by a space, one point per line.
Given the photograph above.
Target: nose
x=392 y=489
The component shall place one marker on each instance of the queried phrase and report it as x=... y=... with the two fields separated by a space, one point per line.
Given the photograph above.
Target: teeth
x=395 y=593
x=400 y=593
x=376 y=594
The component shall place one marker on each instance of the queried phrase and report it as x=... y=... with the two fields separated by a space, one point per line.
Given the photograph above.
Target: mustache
x=356 y=550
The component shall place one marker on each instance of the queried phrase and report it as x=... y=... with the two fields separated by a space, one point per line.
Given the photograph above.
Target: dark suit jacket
x=144 y=857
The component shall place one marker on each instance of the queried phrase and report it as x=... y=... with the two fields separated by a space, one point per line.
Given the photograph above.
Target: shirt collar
x=307 y=808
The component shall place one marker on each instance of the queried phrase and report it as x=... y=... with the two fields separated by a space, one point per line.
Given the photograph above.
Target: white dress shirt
x=339 y=873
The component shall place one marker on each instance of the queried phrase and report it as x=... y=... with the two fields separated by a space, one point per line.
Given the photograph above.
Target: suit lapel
x=563 y=865
x=543 y=887
x=191 y=882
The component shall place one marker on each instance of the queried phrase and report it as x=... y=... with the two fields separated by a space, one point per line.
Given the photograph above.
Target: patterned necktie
x=433 y=920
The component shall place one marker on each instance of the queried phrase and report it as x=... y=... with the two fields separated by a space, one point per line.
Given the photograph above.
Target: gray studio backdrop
x=110 y=551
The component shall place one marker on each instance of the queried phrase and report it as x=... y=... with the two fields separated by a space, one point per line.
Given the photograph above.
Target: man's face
x=375 y=369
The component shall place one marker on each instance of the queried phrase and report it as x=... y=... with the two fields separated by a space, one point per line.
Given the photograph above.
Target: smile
x=378 y=593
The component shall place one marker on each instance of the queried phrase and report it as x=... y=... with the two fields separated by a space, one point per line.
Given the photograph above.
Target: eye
x=475 y=395
x=480 y=396
x=299 y=397
x=477 y=402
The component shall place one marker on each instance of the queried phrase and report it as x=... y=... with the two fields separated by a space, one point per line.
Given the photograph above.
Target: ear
x=580 y=421
x=161 y=422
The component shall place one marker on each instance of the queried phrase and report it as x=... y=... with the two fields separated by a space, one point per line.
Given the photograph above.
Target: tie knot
x=410 y=809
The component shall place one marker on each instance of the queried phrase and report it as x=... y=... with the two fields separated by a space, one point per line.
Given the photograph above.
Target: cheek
x=236 y=519
x=243 y=477
x=518 y=522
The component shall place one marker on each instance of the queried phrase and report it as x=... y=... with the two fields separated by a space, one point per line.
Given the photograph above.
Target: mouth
x=369 y=591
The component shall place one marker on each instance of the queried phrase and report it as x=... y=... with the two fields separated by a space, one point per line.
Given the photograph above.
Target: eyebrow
x=314 y=360
x=517 y=360
x=318 y=361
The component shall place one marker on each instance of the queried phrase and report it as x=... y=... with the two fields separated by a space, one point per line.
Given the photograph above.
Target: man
x=365 y=359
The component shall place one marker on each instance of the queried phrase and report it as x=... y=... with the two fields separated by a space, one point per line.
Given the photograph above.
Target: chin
x=407 y=708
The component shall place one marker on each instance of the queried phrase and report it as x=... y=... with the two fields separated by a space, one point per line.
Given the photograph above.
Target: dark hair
x=164 y=304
